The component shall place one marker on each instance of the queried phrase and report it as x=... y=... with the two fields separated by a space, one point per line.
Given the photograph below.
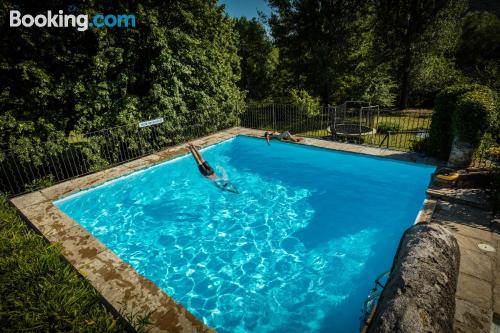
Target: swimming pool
x=296 y=251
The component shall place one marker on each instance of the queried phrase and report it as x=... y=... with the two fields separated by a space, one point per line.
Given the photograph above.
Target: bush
x=430 y=75
x=384 y=128
x=39 y=183
x=309 y=104
x=379 y=87
x=420 y=146
x=440 y=134
x=475 y=113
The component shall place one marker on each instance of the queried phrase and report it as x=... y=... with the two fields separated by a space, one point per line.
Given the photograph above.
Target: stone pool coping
x=122 y=288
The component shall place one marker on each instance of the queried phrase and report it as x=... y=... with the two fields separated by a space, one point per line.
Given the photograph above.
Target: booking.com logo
x=80 y=21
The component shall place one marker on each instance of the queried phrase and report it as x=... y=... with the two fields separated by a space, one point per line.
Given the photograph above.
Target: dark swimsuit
x=205 y=169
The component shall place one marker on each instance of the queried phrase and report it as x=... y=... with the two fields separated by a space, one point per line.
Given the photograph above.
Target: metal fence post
x=274 y=120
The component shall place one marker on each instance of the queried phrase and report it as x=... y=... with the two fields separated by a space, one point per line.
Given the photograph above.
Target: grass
x=39 y=291
x=401 y=141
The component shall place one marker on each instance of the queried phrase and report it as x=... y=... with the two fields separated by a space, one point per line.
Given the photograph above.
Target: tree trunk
x=406 y=67
x=405 y=83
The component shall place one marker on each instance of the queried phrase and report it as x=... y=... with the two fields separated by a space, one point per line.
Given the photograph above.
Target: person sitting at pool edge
x=207 y=171
x=285 y=136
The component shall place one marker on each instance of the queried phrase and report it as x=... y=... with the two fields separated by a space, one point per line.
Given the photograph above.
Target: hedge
x=475 y=113
x=465 y=110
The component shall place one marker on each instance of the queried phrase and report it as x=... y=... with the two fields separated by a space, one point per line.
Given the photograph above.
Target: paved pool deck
x=121 y=287
x=465 y=214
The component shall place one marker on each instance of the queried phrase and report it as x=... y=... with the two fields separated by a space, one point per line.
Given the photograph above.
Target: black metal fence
x=360 y=123
x=400 y=130
x=34 y=166
x=487 y=154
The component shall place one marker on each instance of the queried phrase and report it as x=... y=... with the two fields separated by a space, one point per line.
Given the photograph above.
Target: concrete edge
x=428 y=208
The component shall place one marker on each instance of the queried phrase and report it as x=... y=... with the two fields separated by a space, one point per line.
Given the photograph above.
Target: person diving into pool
x=206 y=170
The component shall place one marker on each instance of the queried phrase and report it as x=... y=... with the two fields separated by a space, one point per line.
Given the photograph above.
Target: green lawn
x=401 y=141
x=39 y=291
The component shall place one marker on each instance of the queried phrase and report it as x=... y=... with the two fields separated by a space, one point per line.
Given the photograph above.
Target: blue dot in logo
x=91 y=24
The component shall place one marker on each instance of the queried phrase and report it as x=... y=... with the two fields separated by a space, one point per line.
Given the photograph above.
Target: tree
x=258 y=59
x=478 y=54
x=408 y=31
x=181 y=56
x=318 y=41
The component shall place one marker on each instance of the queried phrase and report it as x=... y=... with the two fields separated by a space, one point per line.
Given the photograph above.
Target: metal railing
x=34 y=166
x=487 y=154
x=25 y=169
x=360 y=123
x=400 y=130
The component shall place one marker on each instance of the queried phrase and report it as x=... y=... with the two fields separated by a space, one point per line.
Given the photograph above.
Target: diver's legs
x=198 y=154
x=195 y=156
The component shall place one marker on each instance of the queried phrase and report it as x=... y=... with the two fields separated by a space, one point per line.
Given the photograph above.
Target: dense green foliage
x=376 y=51
x=188 y=55
x=418 y=37
x=258 y=59
x=384 y=128
x=475 y=113
x=40 y=292
x=390 y=53
x=479 y=49
x=466 y=111
x=182 y=56
x=440 y=139
x=321 y=43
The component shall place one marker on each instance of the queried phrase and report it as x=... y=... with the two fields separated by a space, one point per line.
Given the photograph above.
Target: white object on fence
x=151 y=122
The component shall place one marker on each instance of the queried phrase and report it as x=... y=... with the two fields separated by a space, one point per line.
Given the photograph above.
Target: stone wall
x=420 y=293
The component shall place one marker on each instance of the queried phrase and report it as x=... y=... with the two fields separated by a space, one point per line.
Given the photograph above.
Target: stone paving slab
x=496 y=295
x=48 y=219
x=465 y=220
x=62 y=189
x=74 y=185
x=142 y=162
x=464 y=214
x=120 y=285
x=483 y=236
x=478 y=274
x=475 y=291
x=28 y=199
x=77 y=244
x=477 y=264
x=471 y=318
x=474 y=197
x=472 y=244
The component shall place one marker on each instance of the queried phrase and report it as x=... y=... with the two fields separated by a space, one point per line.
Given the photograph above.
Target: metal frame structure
x=347 y=127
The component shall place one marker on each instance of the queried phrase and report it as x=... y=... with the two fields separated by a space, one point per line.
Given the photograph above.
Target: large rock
x=420 y=293
x=461 y=153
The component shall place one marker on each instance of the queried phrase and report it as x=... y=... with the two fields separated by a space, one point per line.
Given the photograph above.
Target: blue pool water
x=296 y=251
